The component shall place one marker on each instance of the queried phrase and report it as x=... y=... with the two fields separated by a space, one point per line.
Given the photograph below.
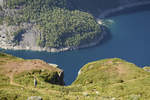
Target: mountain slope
x=109 y=79
x=51 y=22
x=55 y=25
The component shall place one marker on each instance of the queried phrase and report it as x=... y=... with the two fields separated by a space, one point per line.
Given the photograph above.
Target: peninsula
x=55 y=25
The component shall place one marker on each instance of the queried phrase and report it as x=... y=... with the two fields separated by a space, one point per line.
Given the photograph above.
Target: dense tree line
x=61 y=27
x=35 y=3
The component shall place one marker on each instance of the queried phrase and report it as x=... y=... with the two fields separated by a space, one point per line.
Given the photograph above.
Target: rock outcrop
x=28 y=40
x=110 y=79
x=35 y=98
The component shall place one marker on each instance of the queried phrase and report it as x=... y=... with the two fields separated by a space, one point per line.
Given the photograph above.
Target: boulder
x=35 y=98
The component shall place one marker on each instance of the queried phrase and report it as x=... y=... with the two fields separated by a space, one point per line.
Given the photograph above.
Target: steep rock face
x=60 y=27
x=23 y=72
x=1 y=2
x=108 y=79
x=42 y=76
x=32 y=35
x=19 y=37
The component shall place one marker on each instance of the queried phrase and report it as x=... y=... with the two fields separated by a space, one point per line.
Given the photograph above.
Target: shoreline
x=103 y=15
x=53 y=50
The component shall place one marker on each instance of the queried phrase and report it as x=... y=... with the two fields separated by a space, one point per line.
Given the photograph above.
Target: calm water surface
x=130 y=41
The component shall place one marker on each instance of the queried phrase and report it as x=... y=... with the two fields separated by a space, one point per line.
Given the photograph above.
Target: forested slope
x=59 y=25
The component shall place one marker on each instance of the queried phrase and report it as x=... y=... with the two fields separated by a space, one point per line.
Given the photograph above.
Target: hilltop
x=109 y=79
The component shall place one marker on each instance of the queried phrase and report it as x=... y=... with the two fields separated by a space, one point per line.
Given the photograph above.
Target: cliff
x=22 y=28
x=20 y=71
x=108 y=79
x=45 y=25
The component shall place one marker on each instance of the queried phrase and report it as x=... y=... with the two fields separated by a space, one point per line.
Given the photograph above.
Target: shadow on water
x=93 y=6
x=131 y=10
x=107 y=36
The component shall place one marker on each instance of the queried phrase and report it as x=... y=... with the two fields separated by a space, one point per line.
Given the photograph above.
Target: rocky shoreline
x=102 y=16
x=10 y=47
x=5 y=41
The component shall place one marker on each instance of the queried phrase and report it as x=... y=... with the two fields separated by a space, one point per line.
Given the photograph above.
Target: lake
x=130 y=40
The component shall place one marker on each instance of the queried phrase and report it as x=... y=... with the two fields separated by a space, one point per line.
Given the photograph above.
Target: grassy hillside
x=109 y=71
x=115 y=78
x=108 y=79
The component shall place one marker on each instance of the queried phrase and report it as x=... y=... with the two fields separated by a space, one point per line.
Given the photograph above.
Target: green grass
x=4 y=79
x=8 y=57
x=9 y=92
x=132 y=83
x=100 y=80
x=105 y=73
x=43 y=76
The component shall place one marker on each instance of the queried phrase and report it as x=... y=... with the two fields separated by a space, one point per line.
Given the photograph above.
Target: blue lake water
x=130 y=41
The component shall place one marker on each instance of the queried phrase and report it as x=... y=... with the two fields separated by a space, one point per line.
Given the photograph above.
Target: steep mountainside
x=108 y=79
x=55 y=25
x=46 y=24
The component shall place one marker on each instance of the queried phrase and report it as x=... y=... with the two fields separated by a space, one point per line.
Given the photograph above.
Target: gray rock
x=85 y=94
x=1 y=2
x=35 y=98
x=113 y=98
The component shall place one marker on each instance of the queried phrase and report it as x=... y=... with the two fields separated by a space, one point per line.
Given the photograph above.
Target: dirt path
x=42 y=91
x=13 y=83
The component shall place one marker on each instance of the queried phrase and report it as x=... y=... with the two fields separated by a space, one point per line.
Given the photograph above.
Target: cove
x=129 y=40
